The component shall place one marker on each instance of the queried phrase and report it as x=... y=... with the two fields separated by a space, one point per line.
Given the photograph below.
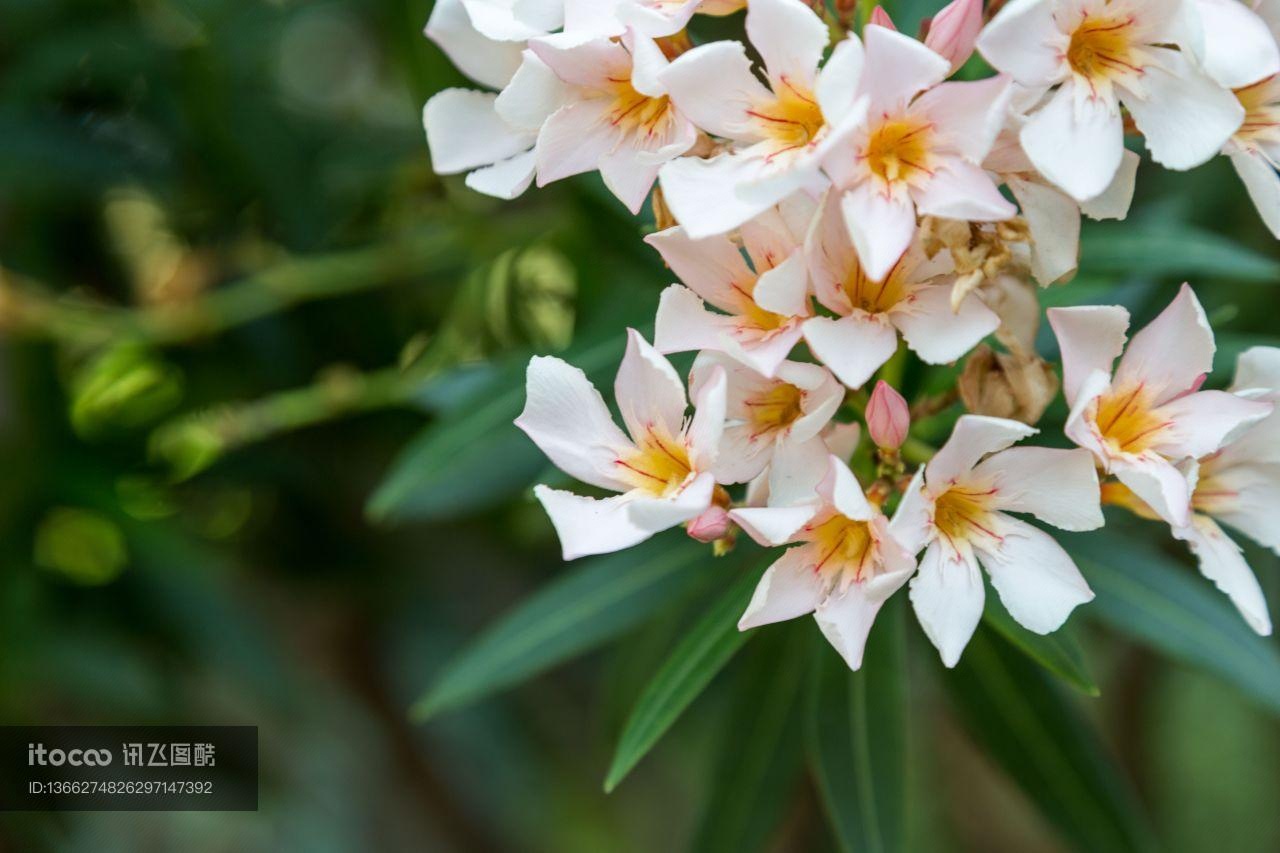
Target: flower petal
x=789 y=588
x=1222 y=562
x=589 y=526
x=464 y=132
x=1204 y=421
x=658 y=514
x=684 y=324
x=846 y=618
x=1021 y=40
x=967 y=115
x=797 y=470
x=1160 y=485
x=790 y=39
x=785 y=288
x=712 y=267
x=841 y=490
x=1090 y=338
x=897 y=67
x=947 y=595
x=961 y=190
x=1262 y=182
x=934 y=332
x=880 y=225
x=974 y=437
x=713 y=85
x=1059 y=487
x=853 y=347
x=706 y=427
x=483 y=59
x=648 y=391
x=1173 y=351
x=573 y=140
x=532 y=96
x=1238 y=47
x=1036 y=579
x=703 y=194
x=837 y=87
x=1076 y=141
x=1053 y=218
x=1115 y=199
x=771 y=526
x=505 y=179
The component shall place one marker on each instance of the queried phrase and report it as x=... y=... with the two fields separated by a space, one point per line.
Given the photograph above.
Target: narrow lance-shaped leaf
x=1038 y=735
x=1170 y=250
x=856 y=727
x=584 y=608
x=703 y=652
x=1057 y=652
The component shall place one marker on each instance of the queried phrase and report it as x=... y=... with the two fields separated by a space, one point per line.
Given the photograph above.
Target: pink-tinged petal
x=505 y=179
x=1079 y=426
x=1184 y=116
x=589 y=526
x=763 y=352
x=881 y=18
x=707 y=425
x=712 y=267
x=658 y=514
x=464 y=132
x=591 y=64
x=912 y=523
x=785 y=288
x=840 y=489
x=955 y=30
x=1059 y=487
x=685 y=325
x=1090 y=338
x=1023 y=40
x=771 y=526
x=703 y=194
x=483 y=59
x=853 y=347
x=1160 y=485
x=1222 y=562
x=789 y=588
x=628 y=178
x=790 y=39
x=1037 y=580
x=973 y=438
x=796 y=471
x=1076 y=142
x=837 y=88
x=713 y=85
x=648 y=391
x=881 y=226
x=897 y=68
x=961 y=190
x=1053 y=218
x=1204 y=421
x=1173 y=351
x=846 y=618
x=842 y=439
x=1256 y=505
x=573 y=140
x=770 y=238
x=1258 y=370
x=532 y=96
x=947 y=595
x=1263 y=184
x=567 y=418
x=967 y=115
x=1238 y=47
x=936 y=333
x=830 y=254
x=1115 y=199
x=744 y=454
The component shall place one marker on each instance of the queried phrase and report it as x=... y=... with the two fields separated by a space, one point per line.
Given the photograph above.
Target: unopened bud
x=888 y=417
x=881 y=18
x=711 y=525
x=953 y=31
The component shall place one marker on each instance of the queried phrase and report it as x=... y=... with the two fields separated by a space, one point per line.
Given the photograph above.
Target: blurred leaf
x=857 y=737
x=1038 y=735
x=82 y=546
x=1057 y=652
x=761 y=753
x=580 y=610
x=702 y=653
x=1170 y=250
x=1151 y=597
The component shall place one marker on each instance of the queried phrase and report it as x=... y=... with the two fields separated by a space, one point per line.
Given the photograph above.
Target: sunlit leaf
x=699 y=656
x=1035 y=731
x=855 y=725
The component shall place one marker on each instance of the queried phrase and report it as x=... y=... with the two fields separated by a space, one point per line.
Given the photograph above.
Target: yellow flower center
x=843 y=548
x=775 y=409
x=791 y=120
x=965 y=513
x=875 y=297
x=1102 y=49
x=634 y=111
x=659 y=465
x=1261 y=112
x=1126 y=422
x=898 y=149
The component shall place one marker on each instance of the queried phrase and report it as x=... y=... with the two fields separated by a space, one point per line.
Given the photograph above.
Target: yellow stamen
x=898 y=149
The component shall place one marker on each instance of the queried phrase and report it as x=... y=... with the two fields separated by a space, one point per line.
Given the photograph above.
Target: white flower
x=779 y=132
x=514 y=20
x=1092 y=56
x=764 y=304
x=913 y=297
x=616 y=118
x=920 y=148
x=843 y=565
x=1141 y=422
x=956 y=508
x=662 y=472
x=764 y=414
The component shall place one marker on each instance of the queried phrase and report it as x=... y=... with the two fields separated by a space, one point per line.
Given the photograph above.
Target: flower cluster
x=838 y=199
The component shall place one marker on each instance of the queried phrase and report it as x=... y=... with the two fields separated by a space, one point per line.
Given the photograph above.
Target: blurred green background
x=257 y=371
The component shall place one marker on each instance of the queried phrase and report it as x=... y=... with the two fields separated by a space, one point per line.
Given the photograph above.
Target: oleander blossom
x=662 y=471
x=957 y=509
x=1090 y=57
x=843 y=562
x=1147 y=417
x=777 y=134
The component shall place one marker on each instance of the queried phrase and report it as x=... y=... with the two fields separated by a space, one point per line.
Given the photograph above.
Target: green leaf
x=1057 y=652
x=581 y=610
x=857 y=737
x=697 y=658
x=1162 y=602
x=1170 y=250
x=1034 y=730
x=760 y=757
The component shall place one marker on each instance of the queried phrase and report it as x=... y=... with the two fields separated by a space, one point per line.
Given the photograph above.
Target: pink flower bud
x=888 y=417
x=711 y=525
x=881 y=18
x=954 y=30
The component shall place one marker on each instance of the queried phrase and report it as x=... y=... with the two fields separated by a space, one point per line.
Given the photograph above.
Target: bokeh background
x=257 y=370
